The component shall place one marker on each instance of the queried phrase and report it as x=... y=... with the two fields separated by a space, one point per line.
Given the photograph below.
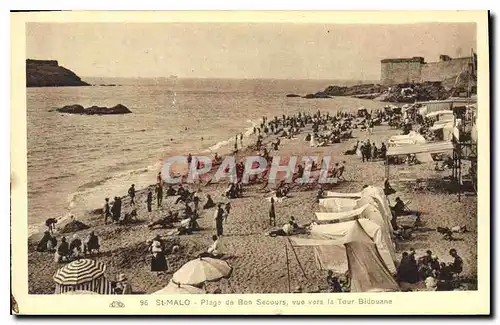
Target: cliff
x=48 y=73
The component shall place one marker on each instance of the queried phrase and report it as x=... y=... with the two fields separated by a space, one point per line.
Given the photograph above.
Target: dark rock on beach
x=94 y=110
x=74 y=226
x=48 y=73
x=292 y=95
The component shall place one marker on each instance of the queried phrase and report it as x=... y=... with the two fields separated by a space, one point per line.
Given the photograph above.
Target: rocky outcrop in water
x=94 y=110
x=48 y=73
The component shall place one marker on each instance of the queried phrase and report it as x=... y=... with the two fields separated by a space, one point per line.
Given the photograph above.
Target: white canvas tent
x=352 y=248
x=337 y=204
x=378 y=210
x=349 y=201
x=340 y=216
x=344 y=230
x=443 y=115
x=411 y=138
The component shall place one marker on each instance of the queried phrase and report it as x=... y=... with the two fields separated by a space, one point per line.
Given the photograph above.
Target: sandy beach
x=258 y=260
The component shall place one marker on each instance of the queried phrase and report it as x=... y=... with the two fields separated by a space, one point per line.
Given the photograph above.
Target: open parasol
x=202 y=269
x=78 y=272
x=173 y=288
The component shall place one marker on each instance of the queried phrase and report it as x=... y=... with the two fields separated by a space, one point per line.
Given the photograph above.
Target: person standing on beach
x=114 y=210
x=131 y=194
x=159 y=179
x=119 y=209
x=149 y=199
x=51 y=224
x=196 y=201
x=219 y=218
x=227 y=210
x=107 y=213
x=272 y=214
x=159 y=194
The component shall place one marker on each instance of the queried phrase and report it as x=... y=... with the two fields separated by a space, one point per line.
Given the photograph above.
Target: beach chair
x=421 y=184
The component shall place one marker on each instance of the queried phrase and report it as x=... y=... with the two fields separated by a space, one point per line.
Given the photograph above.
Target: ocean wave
x=246 y=134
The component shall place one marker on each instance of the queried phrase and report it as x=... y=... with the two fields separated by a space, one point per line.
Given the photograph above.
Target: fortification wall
x=396 y=71
x=400 y=72
x=439 y=71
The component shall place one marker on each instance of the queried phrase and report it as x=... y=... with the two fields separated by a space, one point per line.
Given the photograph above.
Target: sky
x=240 y=50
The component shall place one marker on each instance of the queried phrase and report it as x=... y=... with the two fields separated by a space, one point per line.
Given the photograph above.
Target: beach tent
x=331 y=217
x=342 y=230
x=352 y=249
x=82 y=275
x=337 y=204
x=410 y=138
x=349 y=201
x=378 y=210
x=434 y=147
x=443 y=115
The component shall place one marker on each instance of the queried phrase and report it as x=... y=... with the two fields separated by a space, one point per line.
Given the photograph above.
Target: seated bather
x=214 y=250
x=75 y=247
x=286 y=230
x=210 y=203
x=63 y=253
x=320 y=194
x=170 y=191
x=388 y=190
x=91 y=244
x=165 y=222
x=48 y=243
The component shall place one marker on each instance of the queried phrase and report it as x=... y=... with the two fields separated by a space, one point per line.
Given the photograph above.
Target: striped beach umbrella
x=202 y=269
x=78 y=272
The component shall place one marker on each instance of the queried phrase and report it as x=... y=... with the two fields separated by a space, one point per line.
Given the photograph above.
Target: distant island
x=94 y=110
x=48 y=73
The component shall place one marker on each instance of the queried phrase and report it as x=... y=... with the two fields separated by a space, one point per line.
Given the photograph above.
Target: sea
x=75 y=161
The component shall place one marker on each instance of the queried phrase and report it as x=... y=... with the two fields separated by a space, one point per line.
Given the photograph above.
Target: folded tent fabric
x=330 y=194
x=340 y=216
x=337 y=204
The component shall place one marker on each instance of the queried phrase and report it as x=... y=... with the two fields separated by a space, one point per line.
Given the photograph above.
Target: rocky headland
x=48 y=73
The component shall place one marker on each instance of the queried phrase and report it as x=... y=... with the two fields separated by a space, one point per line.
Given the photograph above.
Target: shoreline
x=224 y=149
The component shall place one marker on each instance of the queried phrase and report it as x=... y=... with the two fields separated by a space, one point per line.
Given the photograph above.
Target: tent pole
x=287 y=267
x=297 y=258
x=386 y=166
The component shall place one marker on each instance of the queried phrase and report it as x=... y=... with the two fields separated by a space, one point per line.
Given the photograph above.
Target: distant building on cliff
x=415 y=69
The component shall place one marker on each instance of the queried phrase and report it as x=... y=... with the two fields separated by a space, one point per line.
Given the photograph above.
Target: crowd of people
x=326 y=128
x=436 y=275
